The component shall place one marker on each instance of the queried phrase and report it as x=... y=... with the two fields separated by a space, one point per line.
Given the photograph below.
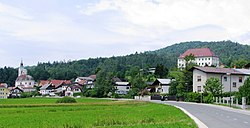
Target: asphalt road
x=215 y=116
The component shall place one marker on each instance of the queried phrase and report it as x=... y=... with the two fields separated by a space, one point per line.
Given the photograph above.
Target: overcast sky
x=54 y=30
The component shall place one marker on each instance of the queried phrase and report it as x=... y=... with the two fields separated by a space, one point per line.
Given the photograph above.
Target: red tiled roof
x=43 y=82
x=56 y=83
x=198 y=52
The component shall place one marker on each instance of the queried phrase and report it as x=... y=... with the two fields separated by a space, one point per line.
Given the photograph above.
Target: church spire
x=21 y=64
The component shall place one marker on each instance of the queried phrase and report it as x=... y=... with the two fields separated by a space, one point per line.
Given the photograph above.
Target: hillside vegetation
x=226 y=50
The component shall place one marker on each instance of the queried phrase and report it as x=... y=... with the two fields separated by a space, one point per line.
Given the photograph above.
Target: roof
x=74 y=87
x=44 y=87
x=24 y=77
x=223 y=70
x=164 y=81
x=93 y=77
x=245 y=71
x=3 y=85
x=198 y=52
x=43 y=82
x=116 y=79
x=85 y=78
x=122 y=83
x=55 y=83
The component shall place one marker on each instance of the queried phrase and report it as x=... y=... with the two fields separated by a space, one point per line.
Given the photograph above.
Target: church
x=24 y=81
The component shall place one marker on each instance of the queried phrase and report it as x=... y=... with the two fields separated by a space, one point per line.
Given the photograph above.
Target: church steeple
x=22 y=70
x=21 y=64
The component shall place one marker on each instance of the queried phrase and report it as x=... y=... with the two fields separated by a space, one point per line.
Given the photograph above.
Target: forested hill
x=226 y=50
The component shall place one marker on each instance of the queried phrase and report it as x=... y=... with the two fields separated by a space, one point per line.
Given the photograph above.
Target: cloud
x=165 y=16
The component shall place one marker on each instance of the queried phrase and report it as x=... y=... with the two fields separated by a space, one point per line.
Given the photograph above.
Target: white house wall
x=201 y=83
x=201 y=61
x=165 y=89
x=226 y=84
x=122 y=89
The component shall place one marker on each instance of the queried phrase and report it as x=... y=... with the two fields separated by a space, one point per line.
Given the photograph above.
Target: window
x=240 y=79
x=234 y=84
x=202 y=59
x=199 y=88
x=198 y=78
x=208 y=58
x=225 y=78
x=205 y=58
x=127 y=87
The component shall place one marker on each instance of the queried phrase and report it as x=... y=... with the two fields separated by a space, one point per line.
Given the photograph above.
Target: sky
x=62 y=30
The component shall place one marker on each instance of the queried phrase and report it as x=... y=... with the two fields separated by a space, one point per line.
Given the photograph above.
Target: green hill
x=226 y=50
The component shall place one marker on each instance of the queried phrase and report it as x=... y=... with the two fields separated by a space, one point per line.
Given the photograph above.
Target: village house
x=230 y=78
x=122 y=87
x=47 y=89
x=88 y=82
x=160 y=86
x=58 y=86
x=72 y=89
x=4 y=91
x=202 y=57
x=15 y=91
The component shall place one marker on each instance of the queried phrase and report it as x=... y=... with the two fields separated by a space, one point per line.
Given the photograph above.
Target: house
x=15 y=91
x=229 y=77
x=4 y=91
x=46 y=89
x=75 y=88
x=160 y=86
x=202 y=57
x=88 y=82
x=122 y=87
x=58 y=85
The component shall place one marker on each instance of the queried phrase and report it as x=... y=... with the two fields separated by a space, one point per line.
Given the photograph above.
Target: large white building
x=24 y=80
x=230 y=78
x=203 y=57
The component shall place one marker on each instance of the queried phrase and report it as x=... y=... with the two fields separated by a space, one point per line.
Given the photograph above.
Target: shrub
x=26 y=95
x=208 y=98
x=66 y=100
x=193 y=97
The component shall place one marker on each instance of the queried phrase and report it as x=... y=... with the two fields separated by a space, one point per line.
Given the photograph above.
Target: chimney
x=234 y=66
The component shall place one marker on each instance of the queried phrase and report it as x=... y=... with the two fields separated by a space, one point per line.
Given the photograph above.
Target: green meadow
x=90 y=113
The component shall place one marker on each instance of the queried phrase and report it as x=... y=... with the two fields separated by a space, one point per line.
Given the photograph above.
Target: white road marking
x=245 y=122
x=227 y=116
x=234 y=119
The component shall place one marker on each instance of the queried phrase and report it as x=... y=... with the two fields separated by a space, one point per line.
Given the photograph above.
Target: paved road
x=215 y=116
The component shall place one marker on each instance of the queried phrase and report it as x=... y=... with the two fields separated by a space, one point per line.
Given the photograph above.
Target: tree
x=189 y=58
x=240 y=63
x=244 y=90
x=161 y=71
x=213 y=86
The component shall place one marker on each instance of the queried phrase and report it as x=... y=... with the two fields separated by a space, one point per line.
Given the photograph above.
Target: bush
x=78 y=94
x=26 y=95
x=90 y=93
x=208 y=98
x=193 y=97
x=66 y=100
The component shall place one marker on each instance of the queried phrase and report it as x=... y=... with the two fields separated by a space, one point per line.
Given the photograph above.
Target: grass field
x=90 y=113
